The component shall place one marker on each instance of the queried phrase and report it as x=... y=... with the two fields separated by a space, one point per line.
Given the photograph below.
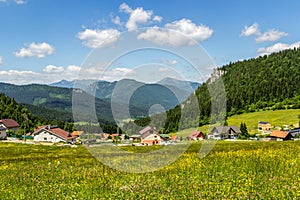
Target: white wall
x=45 y=136
x=3 y=134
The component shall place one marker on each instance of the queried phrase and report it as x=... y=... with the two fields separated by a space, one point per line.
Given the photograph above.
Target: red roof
x=56 y=131
x=196 y=134
x=9 y=123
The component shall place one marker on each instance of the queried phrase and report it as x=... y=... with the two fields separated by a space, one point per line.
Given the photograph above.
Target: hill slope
x=265 y=83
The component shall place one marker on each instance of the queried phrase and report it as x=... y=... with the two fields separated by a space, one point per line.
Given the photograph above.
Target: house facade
x=149 y=136
x=196 y=135
x=8 y=124
x=53 y=134
x=264 y=126
x=224 y=132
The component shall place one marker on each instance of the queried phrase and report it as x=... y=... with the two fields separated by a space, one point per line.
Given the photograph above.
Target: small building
x=77 y=133
x=196 y=135
x=7 y=124
x=149 y=136
x=224 y=132
x=281 y=135
x=53 y=134
x=264 y=126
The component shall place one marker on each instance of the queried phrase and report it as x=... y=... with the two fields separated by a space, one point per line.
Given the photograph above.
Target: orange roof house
x=196 y=135
x=285 y=135
x=77 y=133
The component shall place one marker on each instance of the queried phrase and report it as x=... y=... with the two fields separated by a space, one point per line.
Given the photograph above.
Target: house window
x=45 y=138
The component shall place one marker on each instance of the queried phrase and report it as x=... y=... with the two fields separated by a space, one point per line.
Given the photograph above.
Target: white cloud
x=276 y=48
x=53 y=69
x=1 y=60
x=116 y=20
x=178 y=33
x=271 y=35
x=39 y=50
x=16 y=1
x=250 y=30
x=98 y=38
x=138 y=16
x=20 y=1
x=125 y=8
x=169 y=62
x=164 y=69
x=157 y=18
x=73 y=68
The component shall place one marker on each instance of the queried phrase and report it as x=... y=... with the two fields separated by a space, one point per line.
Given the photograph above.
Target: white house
x=149 y=136
x=7 y=124
x=53 y=134
x=224 y=132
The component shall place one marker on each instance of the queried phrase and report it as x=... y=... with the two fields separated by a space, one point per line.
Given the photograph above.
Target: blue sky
x=46 y=41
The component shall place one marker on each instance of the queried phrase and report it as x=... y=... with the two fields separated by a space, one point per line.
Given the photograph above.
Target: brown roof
x=9 y=123
x=279 y=134
x=56 y=131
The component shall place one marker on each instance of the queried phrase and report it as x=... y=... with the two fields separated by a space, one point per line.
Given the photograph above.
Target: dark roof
x=260 y=122
x=9 y=123
x=224 y=129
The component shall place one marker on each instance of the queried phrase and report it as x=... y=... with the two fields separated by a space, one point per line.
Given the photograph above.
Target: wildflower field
x=232 y=170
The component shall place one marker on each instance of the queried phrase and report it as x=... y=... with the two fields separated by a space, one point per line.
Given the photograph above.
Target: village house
x=281 y=135
x=6 y=125
x=264 y=126
x=224 y=132
x=295 y=132
x=149 y=136
x=196 y=135
x=52 y=134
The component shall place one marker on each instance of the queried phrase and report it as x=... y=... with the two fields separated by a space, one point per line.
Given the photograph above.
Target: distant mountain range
x=54 y=101
x=104 y=89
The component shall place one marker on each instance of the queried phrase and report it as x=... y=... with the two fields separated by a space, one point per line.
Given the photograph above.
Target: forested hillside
x=264 y=83
x=9 y=108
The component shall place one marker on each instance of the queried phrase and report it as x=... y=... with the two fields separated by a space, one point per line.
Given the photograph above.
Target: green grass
x=233 y=170
x=276 y=118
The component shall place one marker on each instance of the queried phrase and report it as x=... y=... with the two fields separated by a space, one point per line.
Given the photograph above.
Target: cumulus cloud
x=178 y=33
x=250 y=30
x=98 y=38
x=116 y=20
x=16 y=1
x=53 y=69
x=270 y=36
x=39 y=50
x=276 y=48
x=157 y=18
x=169 y=62
x=19 y=1
x=138 y=16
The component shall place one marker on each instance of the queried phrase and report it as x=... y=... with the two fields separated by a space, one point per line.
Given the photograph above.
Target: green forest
x=263 y=83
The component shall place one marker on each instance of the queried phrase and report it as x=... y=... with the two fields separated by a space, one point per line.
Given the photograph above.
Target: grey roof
x=260 y=122
x=224 y=129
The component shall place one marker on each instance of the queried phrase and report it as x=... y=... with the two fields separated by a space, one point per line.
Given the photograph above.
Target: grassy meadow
x=276 y=118
x=232 y=170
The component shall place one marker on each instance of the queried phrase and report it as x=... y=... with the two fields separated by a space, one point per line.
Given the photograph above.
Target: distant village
x=51 y=134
